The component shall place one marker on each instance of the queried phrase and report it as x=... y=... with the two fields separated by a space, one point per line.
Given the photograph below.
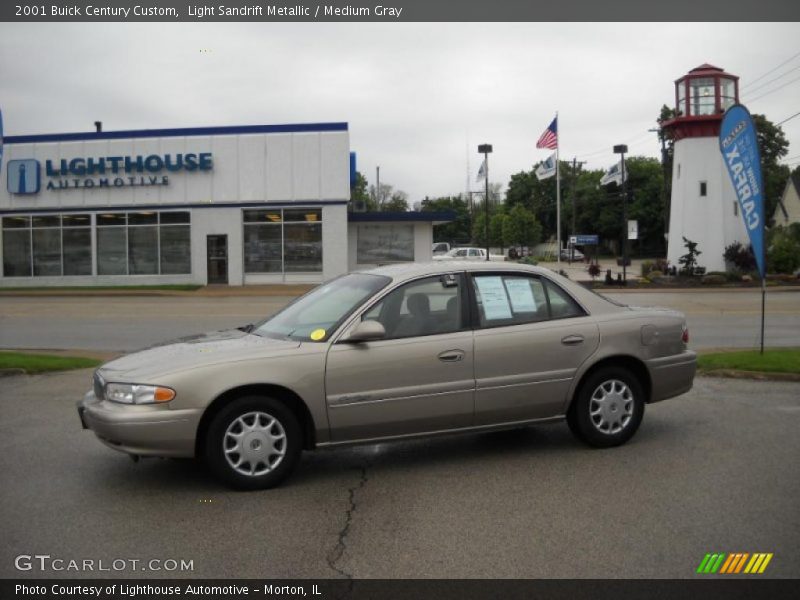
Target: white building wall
x=270 y=169
x=711 y=220
x=263 y=167
x=423 y=243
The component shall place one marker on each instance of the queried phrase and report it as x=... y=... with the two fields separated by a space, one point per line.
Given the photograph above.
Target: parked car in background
x=440 y=248
x=571 y=254
x=469 y=254
x=407 y=350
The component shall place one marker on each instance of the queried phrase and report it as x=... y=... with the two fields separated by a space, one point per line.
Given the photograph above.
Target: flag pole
x=558 y=197
x=763 y=302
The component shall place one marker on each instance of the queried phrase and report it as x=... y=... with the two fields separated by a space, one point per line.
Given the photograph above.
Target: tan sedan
x=390 y=353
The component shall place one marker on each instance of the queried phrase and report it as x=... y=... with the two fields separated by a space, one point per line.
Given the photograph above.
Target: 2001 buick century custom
x=393 y=352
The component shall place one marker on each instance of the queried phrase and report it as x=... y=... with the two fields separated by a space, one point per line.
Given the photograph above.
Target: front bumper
x=672 y=375
x=143 y=430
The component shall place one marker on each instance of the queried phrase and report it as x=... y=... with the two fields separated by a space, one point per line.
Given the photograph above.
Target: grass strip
x=42 y=363
x=783 y=360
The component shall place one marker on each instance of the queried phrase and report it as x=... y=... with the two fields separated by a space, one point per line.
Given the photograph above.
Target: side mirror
x=366 y=331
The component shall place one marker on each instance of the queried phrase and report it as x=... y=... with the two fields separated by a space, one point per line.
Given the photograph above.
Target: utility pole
x=621 y=149
x=665 y=174
x=378 y=187
x=575 y=164
x=485 y=149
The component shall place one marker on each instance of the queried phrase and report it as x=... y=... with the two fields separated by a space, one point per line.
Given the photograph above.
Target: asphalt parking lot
x=716 y=470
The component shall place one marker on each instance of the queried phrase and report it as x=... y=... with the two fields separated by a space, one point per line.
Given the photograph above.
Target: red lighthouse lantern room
x=701 y=98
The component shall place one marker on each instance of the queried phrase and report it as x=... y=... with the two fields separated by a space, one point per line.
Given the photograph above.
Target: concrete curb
x=297 y=290
x=757 y=375
x=12 y=372
x=205 y=292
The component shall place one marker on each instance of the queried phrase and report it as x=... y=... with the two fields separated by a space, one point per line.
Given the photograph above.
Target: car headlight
x=128 y=393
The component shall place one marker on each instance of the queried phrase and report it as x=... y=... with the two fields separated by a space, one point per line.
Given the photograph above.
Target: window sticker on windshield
x=494 y=298
x=317 y=334
x=521 y=294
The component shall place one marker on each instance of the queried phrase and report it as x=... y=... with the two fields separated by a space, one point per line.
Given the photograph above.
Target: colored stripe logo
x=734 y=563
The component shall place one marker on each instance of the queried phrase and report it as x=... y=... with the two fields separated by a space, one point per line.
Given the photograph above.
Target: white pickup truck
x=469 y=254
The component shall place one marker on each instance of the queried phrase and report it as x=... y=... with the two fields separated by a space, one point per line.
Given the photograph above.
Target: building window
x=701 y=94
x=385 y=243
x=144 y=243
x=47 y=245
x=703 y=188
x=283 y=240
x=727 y=93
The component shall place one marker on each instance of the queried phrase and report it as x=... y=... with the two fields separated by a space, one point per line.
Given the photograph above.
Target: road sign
x=633 y=230
x=584 y=240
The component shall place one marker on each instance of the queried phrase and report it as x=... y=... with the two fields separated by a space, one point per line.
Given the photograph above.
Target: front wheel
x=608 y=408
x=253 y=443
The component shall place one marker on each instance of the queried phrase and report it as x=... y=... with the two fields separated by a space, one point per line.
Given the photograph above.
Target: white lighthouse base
x=714 y=220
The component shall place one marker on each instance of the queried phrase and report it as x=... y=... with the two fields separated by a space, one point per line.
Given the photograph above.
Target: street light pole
x=621 y=149
x=485 y=149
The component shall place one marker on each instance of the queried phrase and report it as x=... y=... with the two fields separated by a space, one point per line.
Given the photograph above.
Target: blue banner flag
x=739 y=147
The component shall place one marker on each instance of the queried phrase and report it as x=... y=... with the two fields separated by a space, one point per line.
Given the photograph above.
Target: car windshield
x=316 y=315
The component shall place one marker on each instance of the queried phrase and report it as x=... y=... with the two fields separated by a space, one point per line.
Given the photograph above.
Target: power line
x=766 y=83
x=780 y=87
x=788 y=118
x=605 y=149
x=788 y=60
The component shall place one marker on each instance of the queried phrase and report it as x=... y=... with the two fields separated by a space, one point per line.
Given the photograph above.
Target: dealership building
x=238 y=205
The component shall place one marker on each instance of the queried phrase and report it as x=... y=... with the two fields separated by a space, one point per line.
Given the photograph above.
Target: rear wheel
x=253 y=443
x=608 y=408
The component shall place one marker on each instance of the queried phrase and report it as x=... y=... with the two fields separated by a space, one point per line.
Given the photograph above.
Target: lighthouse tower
x=703 y=206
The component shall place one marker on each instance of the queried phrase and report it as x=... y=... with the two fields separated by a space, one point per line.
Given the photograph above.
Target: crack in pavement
x=335 y=555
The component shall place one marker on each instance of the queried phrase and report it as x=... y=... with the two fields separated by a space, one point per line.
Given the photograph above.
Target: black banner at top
x=393 y=11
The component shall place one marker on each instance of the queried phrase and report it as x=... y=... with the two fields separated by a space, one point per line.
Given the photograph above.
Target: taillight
x=685 y=335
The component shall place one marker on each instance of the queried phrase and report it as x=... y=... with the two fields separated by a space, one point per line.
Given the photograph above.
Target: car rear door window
x=511 y=299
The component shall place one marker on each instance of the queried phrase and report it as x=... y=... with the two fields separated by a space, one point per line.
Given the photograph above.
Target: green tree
x=496 y=218
x=359 y=195
x=772 y=146
x=458 y=231
x=397 y=202
x=520 y=227
x=387 y=199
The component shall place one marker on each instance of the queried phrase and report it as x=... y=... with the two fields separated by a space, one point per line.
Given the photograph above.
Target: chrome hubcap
x=254 y=444
x=611 y=406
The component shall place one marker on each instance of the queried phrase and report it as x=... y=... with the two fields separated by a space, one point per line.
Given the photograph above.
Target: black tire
x=269 y=459
x=605 y=425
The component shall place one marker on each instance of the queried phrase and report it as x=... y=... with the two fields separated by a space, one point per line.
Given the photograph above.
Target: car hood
x=192 y=352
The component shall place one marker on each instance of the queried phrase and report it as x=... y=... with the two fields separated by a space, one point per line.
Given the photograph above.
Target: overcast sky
x=419 y=98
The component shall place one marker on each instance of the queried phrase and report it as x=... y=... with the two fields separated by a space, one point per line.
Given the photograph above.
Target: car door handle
x=572 y=340
x=451 y=356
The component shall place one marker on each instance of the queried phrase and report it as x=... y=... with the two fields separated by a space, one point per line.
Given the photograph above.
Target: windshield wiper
x=247 y=328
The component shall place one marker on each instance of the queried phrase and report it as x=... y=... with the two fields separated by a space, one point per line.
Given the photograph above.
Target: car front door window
x=424 y=307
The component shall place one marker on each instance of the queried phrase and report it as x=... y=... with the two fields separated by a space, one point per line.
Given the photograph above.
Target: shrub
x=594 y=270
x=647 y=266
x=740 y=256
x=654 y=275
x=783 y=252
x=688 y=261
x=661 y=264
x=714 y=279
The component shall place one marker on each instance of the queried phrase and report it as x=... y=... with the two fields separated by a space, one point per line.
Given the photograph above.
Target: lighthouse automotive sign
x=739 y=147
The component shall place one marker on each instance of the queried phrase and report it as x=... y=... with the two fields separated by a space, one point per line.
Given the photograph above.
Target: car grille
x=99 y=385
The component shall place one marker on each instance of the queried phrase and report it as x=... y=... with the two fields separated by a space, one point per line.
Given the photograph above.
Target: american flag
x=549 y=138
